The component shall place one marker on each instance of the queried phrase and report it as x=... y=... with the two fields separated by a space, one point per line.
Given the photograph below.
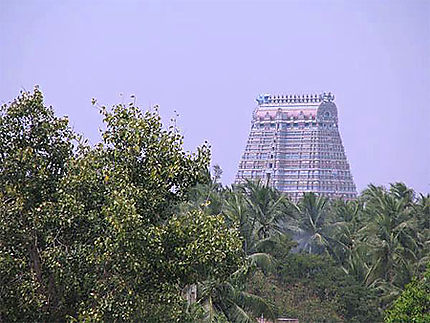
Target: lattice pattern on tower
x=294 y=145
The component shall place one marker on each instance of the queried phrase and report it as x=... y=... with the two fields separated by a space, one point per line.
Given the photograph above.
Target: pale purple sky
x=208 y=60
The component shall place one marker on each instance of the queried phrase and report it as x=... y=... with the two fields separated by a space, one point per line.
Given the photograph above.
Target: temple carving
x=294 y=145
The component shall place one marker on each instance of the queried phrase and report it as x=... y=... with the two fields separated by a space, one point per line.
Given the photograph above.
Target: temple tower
x=295 y=146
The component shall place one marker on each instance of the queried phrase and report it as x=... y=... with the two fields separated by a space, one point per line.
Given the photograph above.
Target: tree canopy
x=134 y=229
x=95 y=233
x=413 y=304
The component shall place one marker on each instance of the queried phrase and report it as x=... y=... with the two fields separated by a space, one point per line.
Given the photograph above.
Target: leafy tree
x=413 y=305
x=35 y=147
x=95 y=234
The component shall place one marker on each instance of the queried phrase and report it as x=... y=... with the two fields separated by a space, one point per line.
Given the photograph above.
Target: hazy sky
x=208 y=60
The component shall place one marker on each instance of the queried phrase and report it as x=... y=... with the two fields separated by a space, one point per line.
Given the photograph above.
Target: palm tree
x=345 y=228
x=309 y=225
x=268 y=208
x=391 y=238
x=229 y=301
x=422 y=211
x=258 y=211
x=236 y=210
x=401 y=192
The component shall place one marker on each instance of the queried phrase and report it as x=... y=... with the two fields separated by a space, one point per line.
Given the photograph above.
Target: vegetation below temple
x=128 y=229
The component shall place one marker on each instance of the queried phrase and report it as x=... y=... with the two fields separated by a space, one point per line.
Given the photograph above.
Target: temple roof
x=294 y=99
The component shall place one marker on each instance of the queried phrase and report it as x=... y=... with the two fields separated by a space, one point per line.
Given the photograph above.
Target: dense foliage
x=95 y=233
x=134 y=229
x=348 y=260
x=413 y=305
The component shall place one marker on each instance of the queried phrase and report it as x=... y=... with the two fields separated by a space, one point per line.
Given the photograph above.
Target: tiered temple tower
x=295 y=146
